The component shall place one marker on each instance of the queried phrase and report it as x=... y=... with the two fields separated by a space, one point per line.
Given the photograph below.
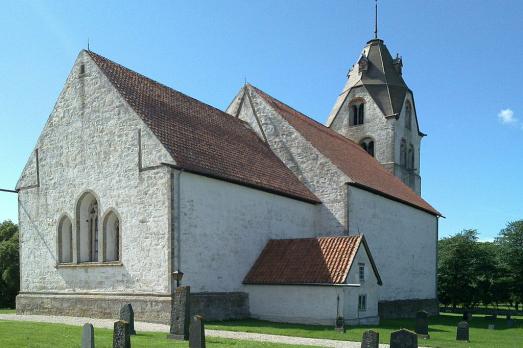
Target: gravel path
x=151 y=327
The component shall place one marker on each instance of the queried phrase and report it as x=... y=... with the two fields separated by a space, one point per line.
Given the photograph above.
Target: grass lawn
x=442 y=331
x=7 y=311
x=42 y=335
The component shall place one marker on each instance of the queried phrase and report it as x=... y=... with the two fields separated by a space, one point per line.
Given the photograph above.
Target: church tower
x=376 y=109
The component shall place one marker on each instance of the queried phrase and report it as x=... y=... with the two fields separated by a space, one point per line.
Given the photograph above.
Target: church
x=134 y=188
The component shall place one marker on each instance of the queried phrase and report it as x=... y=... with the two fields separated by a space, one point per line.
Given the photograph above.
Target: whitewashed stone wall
x=225 y=226
x=315 y=170
x=402 y=240
x=90 y=143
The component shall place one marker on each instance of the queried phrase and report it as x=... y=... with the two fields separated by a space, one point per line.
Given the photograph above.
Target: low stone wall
x=149 y=308
x=407 y=308
x=220 y=305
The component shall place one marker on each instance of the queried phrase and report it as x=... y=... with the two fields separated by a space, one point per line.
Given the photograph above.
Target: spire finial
x=376 y=19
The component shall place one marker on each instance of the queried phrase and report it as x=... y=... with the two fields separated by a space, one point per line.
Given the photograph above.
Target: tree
x=457 y=268
x=510 y=240
x=9 y=264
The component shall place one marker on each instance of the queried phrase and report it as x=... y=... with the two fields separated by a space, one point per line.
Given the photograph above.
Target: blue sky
x=462 y=59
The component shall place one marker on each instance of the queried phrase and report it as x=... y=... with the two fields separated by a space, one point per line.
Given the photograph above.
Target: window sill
x=90 y=264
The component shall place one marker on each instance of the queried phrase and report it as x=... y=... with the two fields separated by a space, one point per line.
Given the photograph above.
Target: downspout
x=178 y=223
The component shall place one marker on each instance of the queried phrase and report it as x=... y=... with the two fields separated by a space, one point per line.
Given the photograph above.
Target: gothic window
x=65 y=240
x=408 y=116
x=403 y=153
x=112 y=237
x=368 y=145
x=357 y=113
x=410 y=162
x=87 y=222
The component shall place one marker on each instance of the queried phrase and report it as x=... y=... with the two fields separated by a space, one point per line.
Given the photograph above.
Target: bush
x=9 y=264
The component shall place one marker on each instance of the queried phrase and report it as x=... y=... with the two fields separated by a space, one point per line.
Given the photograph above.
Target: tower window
x=368 y=145
x=82 y=69
x=408 y=116
x=357 y=110
x=410 y=158
x=403 y=153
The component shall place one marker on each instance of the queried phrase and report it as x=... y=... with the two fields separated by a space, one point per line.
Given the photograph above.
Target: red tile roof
x=364 y=170
x=201 y=138
x=321 y=260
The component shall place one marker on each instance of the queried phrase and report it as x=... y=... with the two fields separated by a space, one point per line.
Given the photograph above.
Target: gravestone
x=88 y=336
x=180 y=313
x=197 y=333
x=371 y=339
x=491 y=321
x=340 y=324
x=403 y=339
x=121 y=335
x=466 y=315
x=422 y=324
x=127 y=314
x=462 y=333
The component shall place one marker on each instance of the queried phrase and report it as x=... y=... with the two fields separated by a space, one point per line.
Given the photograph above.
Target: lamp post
x=177 y=275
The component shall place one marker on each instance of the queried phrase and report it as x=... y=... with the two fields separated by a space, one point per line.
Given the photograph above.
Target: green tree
x=510 y=240
x=457 y=268
x=9 y=264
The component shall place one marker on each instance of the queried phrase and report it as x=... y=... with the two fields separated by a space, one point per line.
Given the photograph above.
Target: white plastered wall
x=402 y=240
x=225 y=226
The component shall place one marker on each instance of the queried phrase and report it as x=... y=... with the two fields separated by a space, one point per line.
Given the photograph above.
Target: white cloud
x=506 y=116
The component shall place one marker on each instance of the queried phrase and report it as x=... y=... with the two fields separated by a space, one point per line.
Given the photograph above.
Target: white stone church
x=266 y=212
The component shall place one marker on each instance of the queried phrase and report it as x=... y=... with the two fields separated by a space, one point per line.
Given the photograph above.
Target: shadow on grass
x=442 y=323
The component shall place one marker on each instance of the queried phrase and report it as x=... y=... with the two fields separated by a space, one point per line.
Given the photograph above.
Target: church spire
x=376 y=19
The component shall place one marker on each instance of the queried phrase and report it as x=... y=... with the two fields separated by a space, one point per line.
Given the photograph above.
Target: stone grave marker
x=403 y=339
x=88 y=336
x=462 y=332
x=466 y=315
x=121 y=335
x=371 y=339
x=180 y=313
x=197 y=333
x=422 y=324
x=491 y=321
x=127 y=314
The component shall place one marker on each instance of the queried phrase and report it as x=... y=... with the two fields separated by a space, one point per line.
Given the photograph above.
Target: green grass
x=7 y=311
x=41 y=335
x=442 y=331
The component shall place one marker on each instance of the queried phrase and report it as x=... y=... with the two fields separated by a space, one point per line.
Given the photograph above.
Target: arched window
x=403 y=153
x=112 y=237
x=87 y=227
x=357 y=110
x=408 y=115
x=354 y=115
x=410 y=163
x=368 y=145
x=65 y=240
